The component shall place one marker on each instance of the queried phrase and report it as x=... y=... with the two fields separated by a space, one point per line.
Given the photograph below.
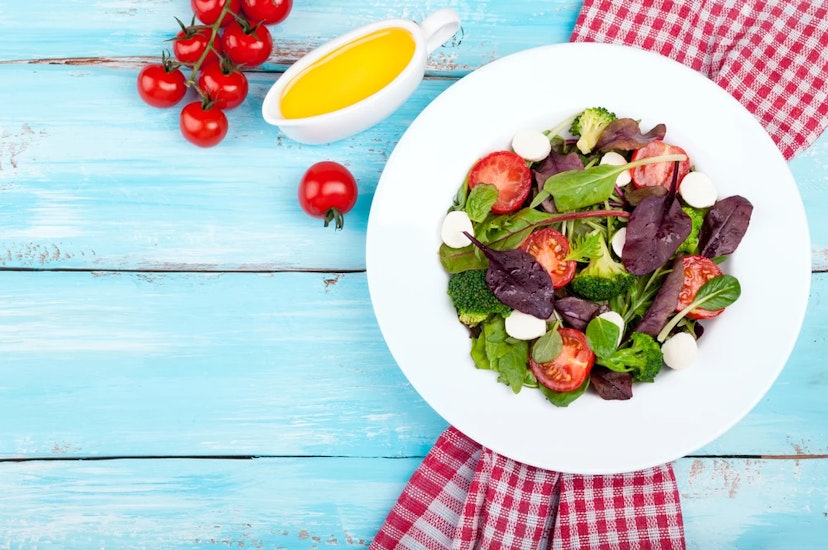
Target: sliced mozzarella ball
x=616 y=159
x=680 y=350
x=616 y=320
x=697 y=190
x=524 y=326
x=618 y=240
x=532 y=145
x=454 y=224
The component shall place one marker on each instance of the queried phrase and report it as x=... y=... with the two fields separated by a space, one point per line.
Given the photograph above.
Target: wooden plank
x=106 y=30
x=87 y=187
x=144 y=364
x=319 y=502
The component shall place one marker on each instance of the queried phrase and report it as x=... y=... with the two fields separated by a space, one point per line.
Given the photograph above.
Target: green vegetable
x=472 y=297
x=717 y=293
x=548 y=346
x=588 y=127
x=495 y=350
x=480 y=201
x=641 y=356
x=564 y=398
x=603 y=278
x=602 y=336
x=691 y=243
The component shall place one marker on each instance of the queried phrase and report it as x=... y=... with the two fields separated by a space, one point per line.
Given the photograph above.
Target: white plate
x=740 y=354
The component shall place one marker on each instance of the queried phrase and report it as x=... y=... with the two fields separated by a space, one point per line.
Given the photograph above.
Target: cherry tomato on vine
x=161 y=84
x=570 y=368
x=328 y=190
x=189 y=44
x=269 y=12
x=550 y=248
x=697 y=271
x=247 y=45
x=203 y=124
x=225 y=85
x=208 y=11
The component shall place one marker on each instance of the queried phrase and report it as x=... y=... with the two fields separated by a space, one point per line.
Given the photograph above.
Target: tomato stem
x=334 y=215
x=214 y=31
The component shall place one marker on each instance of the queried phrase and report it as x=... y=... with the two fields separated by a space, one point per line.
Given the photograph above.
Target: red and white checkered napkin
x=771 y=55
x=464 y=496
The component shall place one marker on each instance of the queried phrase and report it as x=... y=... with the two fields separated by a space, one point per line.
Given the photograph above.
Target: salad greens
x=567 y=274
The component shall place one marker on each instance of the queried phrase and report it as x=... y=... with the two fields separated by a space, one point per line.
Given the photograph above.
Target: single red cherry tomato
x=247 y=45
x=570 y=368
x=160 y=85
x=208 y=11
x=509 y=173
x=697 y=271
x=328 y=190
x=203 y=125
x=550 y=248
x=268 y=12
x=660 y=173
x=226 y=86
x=189 y=44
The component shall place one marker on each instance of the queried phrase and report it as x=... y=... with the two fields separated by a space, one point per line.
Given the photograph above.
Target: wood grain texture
x=313 y=503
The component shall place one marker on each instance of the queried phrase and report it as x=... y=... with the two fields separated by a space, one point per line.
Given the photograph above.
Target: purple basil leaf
x=625 y=134
x=724 y=226
x=664 y=303
x=518 y=280
x=577 y=312
x=611 y=385
x=656 y=229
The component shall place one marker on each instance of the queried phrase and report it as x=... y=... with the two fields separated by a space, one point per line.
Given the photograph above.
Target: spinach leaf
x=480 y=201
x=575 y=189
x=602 y=336
x=518 y=280
x=724 y=226
x=455 y=260
x=717 y=293
x=548 y=346
x=563 y=399
x=577 y=312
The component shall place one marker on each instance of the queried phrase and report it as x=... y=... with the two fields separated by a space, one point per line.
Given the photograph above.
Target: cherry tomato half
x=509 y=173
x=328 y=190
x=249 y=47
x=660 y=173
x=570 y=368
x=268 y=12
x=208 y=11
x=550 y=248
x=227 y=87
x=161 y=86
x=189 y=44
x=697 y=271
x=202 y=126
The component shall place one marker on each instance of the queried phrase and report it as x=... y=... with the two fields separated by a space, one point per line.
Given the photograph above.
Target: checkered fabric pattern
x=464 y=496
x=771 y=55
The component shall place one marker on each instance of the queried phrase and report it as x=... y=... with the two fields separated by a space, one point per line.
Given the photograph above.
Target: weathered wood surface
x=167 y=313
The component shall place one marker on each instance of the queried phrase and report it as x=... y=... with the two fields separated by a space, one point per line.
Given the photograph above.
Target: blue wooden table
x=187 y=360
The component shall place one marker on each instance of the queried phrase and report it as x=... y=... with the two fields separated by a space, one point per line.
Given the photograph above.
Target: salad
x=588 y=256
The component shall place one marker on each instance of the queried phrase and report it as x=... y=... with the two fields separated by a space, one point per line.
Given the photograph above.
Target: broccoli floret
x=588 y=127
x=691 y=243
x=472 y=297
x=642 y=357
x=603 y=278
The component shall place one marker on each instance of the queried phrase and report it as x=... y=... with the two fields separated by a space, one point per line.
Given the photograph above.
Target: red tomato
x=202 y=126
x=328 y=190
x=550 y=248
x=208 y=11
x=570 y=368
x=190 y=43
x=249 y=46
x=509 y=173
x=267 y=11
x=697 y=271
x=160 y=85
x=227 y=87
x=660 y=173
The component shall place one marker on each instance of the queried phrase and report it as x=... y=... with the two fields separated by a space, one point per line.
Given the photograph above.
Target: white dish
x=740 y=355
